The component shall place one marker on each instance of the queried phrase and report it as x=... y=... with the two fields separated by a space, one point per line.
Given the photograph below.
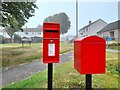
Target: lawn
x=65 y=76
x=110 y=55
x=15 y=54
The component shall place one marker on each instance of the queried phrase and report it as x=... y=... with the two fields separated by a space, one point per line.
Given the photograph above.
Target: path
x=110 y=50
x=24 y=70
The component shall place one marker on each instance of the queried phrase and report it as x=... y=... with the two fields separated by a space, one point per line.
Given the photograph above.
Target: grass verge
x=15 y=54
x=65 y=76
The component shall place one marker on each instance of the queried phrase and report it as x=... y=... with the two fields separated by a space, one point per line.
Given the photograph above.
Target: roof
x=38 y=29
x=91 y=24
x=32 y=30
x=111 y=26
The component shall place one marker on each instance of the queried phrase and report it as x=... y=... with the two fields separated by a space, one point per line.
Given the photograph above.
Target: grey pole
x=76 y=18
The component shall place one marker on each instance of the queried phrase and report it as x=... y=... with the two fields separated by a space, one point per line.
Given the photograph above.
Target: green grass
x=112 y=54
x=115 y=45
x=65 y=76
x=18 y=44
x=15 y=54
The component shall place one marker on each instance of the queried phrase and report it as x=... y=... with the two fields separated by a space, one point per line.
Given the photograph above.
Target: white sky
x=91 y=10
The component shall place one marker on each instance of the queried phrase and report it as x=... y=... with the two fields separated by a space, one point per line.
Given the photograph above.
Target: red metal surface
x=51 y=35
x=90 y=55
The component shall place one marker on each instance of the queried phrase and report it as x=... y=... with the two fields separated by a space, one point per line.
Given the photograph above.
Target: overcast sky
x=108 y=11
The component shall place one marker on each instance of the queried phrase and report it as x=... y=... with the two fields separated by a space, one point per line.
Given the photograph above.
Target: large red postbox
x=51 y=42
x=90 y=55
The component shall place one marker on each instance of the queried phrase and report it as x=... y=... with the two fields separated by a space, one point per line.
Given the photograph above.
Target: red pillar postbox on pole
x=51 y=47
x=51 y=42
x=90 y=56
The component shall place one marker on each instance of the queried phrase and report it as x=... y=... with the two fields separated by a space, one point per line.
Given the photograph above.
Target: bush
x=114 y=44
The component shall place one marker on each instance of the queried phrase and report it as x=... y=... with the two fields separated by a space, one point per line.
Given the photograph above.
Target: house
x=4 y=37
x=111 y=30
x=35 y=34
x=92 y=28
x=4 y=33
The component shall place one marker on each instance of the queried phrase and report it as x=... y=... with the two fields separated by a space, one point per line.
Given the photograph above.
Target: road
x=23 y=71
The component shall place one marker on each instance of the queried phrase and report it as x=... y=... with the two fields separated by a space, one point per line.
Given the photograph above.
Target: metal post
x=50 y=70
x=88 y=81
x=76 y=18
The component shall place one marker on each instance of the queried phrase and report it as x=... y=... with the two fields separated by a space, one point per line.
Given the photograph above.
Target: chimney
x=90 y=22
x=26 y=26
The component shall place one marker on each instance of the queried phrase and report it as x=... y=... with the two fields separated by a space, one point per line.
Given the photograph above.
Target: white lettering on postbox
x=51 y=49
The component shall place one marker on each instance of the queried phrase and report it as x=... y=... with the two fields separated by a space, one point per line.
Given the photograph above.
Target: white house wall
x=117 y=33
x=92 y=29
x=97 y=26
x=5 y=34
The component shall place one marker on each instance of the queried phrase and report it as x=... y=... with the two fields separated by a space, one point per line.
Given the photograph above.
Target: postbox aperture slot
x=51 y=31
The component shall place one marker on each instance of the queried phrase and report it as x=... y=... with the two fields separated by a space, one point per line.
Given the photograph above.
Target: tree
x=61 y=18
x=17 y=38
x=15 y=14
x=1 y=39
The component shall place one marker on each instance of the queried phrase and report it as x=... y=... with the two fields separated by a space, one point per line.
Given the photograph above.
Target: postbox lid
x=51 y=26
x=94 y=38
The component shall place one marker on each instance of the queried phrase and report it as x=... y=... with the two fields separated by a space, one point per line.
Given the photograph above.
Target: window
x=39 y=32
x=33 y=33
x=84 y=30
x=81 y=33
x=26 y=33
x=112 y=34
x=87 y=29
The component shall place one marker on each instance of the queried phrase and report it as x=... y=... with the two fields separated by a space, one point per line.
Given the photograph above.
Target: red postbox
x=90 y=55
x=51 y=42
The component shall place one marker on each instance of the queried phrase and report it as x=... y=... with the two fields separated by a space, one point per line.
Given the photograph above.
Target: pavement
x=110 y=50
x=23 y=71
